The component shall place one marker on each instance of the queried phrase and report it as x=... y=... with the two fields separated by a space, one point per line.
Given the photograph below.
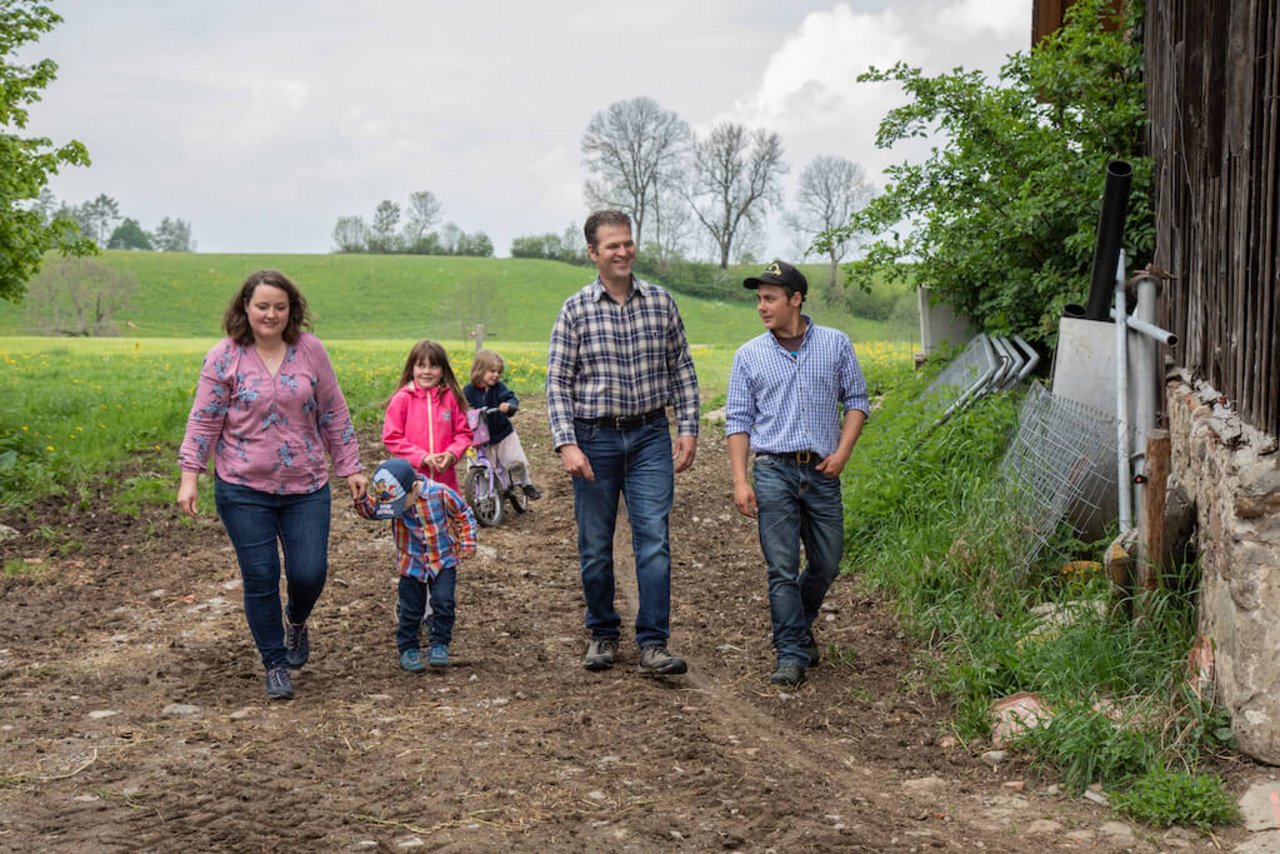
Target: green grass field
x=353 y=297
x=75 y=409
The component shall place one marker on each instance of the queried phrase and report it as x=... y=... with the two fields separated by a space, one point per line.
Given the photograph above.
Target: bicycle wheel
x=519 y=501
x=485 y=501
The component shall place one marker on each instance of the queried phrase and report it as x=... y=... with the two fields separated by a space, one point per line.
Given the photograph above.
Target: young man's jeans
x=413 y=604
x=797 y=503
x=255 y=522
x=637 y=464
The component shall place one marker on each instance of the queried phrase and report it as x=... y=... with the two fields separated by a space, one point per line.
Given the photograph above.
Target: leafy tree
x=450 y=236
x=476 y=245
x=831 y=190
x=174 y=235
x=736 y=174
x=79 y=296
x=422 y=213
x=26 y=164
x=427 y=244
x=630 y=149
x=129 y=235
x=1000 y=219
x=350 y=234
x=382 y=233
x=98 y=218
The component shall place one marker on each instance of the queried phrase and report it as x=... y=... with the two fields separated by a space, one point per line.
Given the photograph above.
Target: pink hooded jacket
x=423 y=421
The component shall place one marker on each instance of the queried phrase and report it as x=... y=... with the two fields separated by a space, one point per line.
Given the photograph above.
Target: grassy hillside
x=397 y=297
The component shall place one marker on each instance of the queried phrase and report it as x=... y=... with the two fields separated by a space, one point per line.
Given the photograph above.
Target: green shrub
x=1166 y=798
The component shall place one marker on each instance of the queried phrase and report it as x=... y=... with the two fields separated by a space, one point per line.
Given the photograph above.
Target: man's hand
x=686 y=448
x=744 y=498
x=832 y=465
x=576 y=462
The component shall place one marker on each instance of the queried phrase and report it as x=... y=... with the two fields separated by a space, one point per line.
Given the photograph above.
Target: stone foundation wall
x=1232 y=474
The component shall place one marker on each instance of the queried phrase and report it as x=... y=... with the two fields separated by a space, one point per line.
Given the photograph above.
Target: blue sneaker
x=411 y=660
x=438 y=655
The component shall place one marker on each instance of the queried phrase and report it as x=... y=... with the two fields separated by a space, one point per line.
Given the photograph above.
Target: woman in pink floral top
x=267 y=409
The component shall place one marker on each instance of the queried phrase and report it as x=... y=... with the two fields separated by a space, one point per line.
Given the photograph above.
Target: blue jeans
x=635 y=464
x=797 y=503
x=255 y=521
x=412 y=604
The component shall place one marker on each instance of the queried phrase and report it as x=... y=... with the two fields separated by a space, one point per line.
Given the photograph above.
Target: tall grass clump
x=930 y=527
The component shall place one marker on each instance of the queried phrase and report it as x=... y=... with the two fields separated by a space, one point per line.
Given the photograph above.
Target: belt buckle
x=804 y=457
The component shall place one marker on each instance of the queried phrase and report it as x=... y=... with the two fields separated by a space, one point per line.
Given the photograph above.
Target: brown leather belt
x=800 y=458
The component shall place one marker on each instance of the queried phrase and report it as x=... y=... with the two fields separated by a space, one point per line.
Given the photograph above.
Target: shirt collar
x=600 y=292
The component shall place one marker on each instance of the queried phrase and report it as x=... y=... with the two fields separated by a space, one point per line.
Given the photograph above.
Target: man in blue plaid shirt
x=618 y=357
x=787 y=389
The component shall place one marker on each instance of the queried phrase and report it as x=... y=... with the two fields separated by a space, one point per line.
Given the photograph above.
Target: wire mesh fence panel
x=1060 y=468
x=977 y=360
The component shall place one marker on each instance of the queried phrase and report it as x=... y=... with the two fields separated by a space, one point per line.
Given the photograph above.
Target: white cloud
x=262 y=123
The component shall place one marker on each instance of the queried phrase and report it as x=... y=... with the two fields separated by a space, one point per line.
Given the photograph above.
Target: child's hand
x=439 y=462
x=504 y=408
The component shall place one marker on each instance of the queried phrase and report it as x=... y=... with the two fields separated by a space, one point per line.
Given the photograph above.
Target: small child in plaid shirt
x=434 y=530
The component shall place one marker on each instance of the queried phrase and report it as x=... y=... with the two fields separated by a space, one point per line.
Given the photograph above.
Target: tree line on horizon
x=688 y=196
x=386 y=235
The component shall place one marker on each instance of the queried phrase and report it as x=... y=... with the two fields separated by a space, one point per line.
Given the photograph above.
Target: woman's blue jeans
x=797 y=504
x=256 y=522
x=635 y=464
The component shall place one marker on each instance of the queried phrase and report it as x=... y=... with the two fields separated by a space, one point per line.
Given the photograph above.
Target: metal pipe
x=1106 y=247
x=1015 y=367
x=1164 y=336
x=1123 y=475
x=997 y=381
x=1033 y=358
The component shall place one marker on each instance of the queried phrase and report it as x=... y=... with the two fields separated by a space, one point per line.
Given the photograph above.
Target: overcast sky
x=261 y=123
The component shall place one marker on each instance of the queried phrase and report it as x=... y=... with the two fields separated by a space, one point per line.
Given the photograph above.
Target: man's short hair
x=599 y=218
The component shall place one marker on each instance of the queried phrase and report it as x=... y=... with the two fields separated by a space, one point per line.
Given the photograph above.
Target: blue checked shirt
x=789 y=402
x=617 y=360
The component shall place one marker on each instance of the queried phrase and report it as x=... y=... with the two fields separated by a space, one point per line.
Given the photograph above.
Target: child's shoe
x=532 y=492
x=411 y=660
x=438 y=655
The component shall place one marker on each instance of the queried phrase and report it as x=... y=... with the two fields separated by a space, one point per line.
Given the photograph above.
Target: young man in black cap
x=787 y=389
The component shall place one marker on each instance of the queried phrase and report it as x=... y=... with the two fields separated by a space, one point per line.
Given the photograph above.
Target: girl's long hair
x=433 y=353
x=485 y=360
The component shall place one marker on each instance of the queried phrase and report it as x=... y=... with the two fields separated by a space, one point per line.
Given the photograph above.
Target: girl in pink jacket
x=426 y=420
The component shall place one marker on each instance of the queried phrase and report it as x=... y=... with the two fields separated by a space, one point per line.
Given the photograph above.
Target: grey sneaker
x=600 y=653
x=297 y=646
x=279 y=684
x=656 y=661
x=790 y=674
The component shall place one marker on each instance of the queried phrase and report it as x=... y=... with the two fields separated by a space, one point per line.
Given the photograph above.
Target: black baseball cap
x=779 y=273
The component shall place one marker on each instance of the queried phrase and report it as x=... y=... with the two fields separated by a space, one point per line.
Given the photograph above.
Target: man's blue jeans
x=797 y=504
x=635 y=464
x=255 y=522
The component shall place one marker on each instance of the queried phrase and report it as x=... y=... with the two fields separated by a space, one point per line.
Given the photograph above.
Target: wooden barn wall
x=1213 y=70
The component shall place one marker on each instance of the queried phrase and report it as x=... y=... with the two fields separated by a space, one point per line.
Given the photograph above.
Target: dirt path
x=132 y=714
